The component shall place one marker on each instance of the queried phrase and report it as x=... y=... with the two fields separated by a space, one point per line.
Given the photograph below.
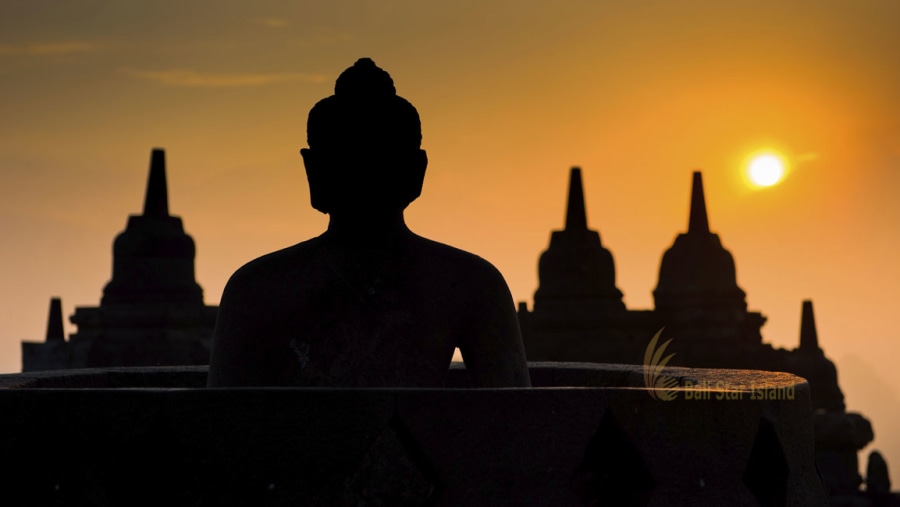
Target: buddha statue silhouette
x=367 y=303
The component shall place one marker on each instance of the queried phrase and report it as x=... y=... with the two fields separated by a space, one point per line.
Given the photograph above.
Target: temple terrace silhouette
x=152 y=311
x=579 y=316
x=367 y=303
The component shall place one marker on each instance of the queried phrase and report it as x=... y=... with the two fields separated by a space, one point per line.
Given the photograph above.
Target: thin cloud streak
x=271 y=22
x=195 y=79
x=808 y=157
x=49 y=48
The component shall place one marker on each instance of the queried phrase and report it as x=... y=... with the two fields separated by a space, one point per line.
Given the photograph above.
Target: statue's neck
x=368 y=228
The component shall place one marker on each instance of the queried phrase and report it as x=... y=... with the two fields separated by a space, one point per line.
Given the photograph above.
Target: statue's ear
x=316 y=176
x=415 y=176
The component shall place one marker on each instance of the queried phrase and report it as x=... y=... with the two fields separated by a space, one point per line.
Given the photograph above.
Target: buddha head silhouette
x=364 y=152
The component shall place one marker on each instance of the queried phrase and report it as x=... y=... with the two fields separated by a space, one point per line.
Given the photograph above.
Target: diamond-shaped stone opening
x=767 y=470
x=612 y=471
x=394 y=471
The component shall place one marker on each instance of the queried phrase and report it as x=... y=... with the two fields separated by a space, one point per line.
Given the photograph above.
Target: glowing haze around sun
x=765 y=170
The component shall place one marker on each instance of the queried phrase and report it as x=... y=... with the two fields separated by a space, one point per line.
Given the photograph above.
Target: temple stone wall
x=588 y=434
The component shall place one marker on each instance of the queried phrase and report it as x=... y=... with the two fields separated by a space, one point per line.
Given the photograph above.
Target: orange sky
x=511 y=94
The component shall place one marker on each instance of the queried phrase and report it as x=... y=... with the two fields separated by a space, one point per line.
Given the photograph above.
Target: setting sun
x=765 y=170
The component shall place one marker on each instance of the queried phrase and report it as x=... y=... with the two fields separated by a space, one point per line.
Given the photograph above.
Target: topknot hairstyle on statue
x=364 y=79
x=364 y=112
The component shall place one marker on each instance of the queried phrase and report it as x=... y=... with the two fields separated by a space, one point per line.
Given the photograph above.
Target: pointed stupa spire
x=576 y=273
x=55 y=321
x=809 y=338
x=156 y=201
x=576 y=216
x=153 y=258
x=698 y=222
x=697 y=274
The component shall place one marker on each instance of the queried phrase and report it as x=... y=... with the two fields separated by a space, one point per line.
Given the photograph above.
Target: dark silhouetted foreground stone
x=588 y=434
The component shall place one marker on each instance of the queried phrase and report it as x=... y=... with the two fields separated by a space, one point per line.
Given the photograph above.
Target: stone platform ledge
x=588 y=434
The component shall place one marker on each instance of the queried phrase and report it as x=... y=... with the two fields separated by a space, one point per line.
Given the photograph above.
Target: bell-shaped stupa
x=153 y=258
x=152 y=311
x=577 y=274
x=697 y=274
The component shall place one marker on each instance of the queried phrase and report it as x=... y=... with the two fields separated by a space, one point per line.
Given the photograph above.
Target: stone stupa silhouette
x=152 y=311
x=578 y=316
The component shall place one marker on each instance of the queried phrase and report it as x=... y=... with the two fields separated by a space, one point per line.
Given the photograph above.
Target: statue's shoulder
x=291 y=262
x=462 y=265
